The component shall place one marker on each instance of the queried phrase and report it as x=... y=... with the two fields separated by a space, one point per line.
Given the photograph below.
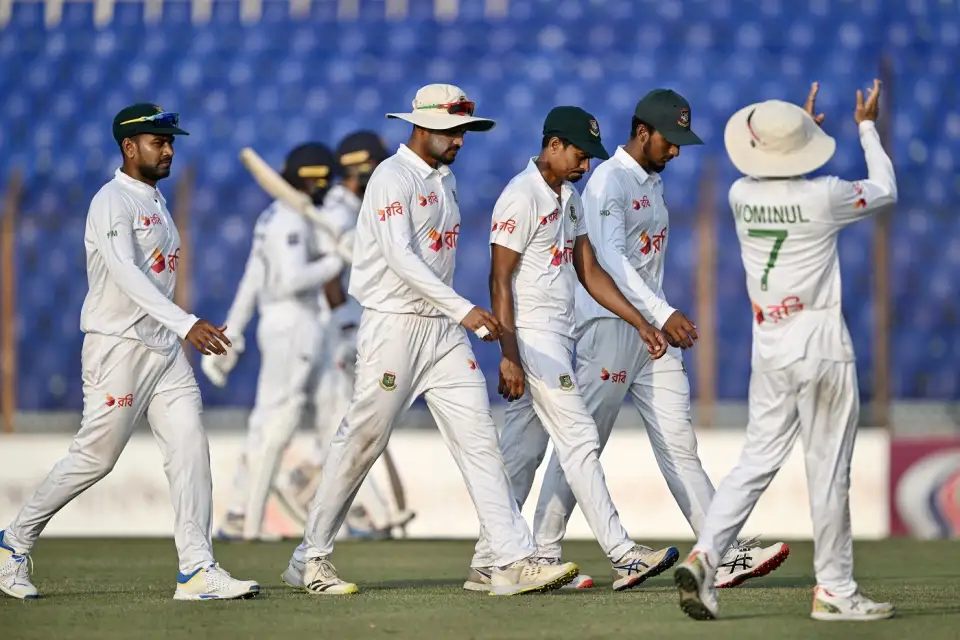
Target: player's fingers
x=212 y=342
x=494 y=329
x=812 y=97
x=218 y=333
x=819 y=118
x=859 y=99
x=198 y=345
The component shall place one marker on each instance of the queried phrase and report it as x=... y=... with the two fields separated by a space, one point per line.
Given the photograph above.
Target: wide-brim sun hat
x=443 y=106
x=776 y=139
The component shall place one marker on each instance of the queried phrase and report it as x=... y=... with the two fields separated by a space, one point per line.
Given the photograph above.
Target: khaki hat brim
x=444 y=121
x=757 y=162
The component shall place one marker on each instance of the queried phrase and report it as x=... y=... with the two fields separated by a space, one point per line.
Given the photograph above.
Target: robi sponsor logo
x=163 y=263
x=446 y=239
x=619 y=377
x=125 y=401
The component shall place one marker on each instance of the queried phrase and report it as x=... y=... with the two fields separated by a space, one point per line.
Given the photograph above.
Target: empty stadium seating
x=282 y=81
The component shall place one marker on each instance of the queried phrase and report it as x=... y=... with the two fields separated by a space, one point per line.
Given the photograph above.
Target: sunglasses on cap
x=459 y=108
x=165 y=118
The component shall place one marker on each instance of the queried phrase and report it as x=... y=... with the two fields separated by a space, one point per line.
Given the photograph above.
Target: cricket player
x=804 y=378
x=133 y=365
x=374 y=513
x=540 y=248
x=292 y=272
x=412 y=342
x=628 y=224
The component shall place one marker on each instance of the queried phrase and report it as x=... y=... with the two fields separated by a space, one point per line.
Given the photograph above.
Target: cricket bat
x=274 y=184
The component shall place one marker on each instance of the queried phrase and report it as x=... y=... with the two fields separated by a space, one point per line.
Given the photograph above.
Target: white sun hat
x=443 y=106
x=776 y=139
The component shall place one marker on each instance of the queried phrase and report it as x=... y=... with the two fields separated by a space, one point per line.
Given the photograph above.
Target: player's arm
x=393 y=231
x=604 y=290
x=297 y=273
x=244 y=302
x=113 y=236
x=513 y=229
x=606 y=225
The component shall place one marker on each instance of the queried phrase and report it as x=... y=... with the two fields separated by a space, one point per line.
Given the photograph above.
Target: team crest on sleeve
x=389 y=381
x=573 y=213
x=566 y=382
x=594 y=128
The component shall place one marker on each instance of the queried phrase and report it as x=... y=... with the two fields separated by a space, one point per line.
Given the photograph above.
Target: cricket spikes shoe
x=698 y=596
x=478 y=579
x=747 y=559
x=582 y=581
x=213 y=583
x=529 y=576
x=641 y=563
x=320 y=577
x=827 y=606
x=15 y=573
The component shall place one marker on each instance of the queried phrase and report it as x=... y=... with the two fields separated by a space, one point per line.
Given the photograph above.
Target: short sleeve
x=514 y=222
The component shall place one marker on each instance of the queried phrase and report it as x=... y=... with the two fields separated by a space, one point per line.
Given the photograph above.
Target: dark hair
x=636 y=122
x=547 y=138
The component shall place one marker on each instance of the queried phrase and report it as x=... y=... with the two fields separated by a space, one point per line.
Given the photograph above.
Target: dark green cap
x=577 y=127
x=145 y=117
x=667 y=112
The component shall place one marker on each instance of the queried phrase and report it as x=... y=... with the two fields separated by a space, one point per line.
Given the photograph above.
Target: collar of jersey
x=416 y=163
x=144 y=188
x=535 y=174
x=627 y=161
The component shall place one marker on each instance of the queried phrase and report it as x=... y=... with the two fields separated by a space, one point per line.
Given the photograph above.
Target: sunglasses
x=459 y=108
x=165 y=118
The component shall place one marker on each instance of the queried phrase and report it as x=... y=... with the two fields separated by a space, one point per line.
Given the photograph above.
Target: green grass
x=123 y=589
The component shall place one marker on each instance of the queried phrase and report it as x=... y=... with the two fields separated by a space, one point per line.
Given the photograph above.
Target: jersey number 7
x=778 y=236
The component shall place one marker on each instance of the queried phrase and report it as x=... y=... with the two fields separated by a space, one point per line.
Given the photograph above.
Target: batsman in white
x=412 y=342
x=804 y=378
x=628 y=224
x=287 y=273
x=377 y=509
x=132 y=364
x=539 y=250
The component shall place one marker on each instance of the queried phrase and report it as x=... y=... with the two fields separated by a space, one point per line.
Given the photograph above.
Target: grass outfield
x=123 y=589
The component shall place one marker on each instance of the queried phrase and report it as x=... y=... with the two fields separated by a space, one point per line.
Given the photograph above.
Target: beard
x=653 y=165
x=157 y=171
x=575 y=177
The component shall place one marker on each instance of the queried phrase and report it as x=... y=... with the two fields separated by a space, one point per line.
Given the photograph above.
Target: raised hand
x=871 y=108
x=810 y=106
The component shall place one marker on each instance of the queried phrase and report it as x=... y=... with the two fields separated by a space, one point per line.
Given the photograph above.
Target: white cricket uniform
x=132 y=364
x=803 y=379
x=284 y=251
x=532 y=220
x=410 y=343
x=629 y=227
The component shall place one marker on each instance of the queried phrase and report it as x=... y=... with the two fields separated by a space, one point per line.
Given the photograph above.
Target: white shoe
x=529 y=576
x=213 y=583
x=478 y=579
x=15 y=573
x=641 y=563
x=827 y=606
x=318 y=576
x=747 y=559
x=698 y=596
x=582 y=581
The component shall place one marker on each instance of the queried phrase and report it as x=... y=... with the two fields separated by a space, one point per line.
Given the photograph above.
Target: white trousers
x=553 y=400
x=123 y=380
x=289 y=340
x=819 y=401
x=400 y=357
x=612 y=361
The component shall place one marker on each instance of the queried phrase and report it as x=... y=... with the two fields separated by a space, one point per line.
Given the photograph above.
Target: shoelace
x=326 y=569
x=746 y=545
x=642 y=549
x=25 y=565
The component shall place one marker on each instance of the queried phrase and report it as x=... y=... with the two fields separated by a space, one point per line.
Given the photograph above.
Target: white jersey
x=788 y=240
x=284 y=267
x=341 y=206
x=406 y=243
x=629 y=226
x=531 y=219
x=133 y=250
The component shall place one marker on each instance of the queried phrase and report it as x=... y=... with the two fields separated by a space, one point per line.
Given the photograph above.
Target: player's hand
x=810 y=106
x=511 y=380
x=208 y=338
x=655 y=340
x=680 y=331
x=871 y=108
x=482 y=318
